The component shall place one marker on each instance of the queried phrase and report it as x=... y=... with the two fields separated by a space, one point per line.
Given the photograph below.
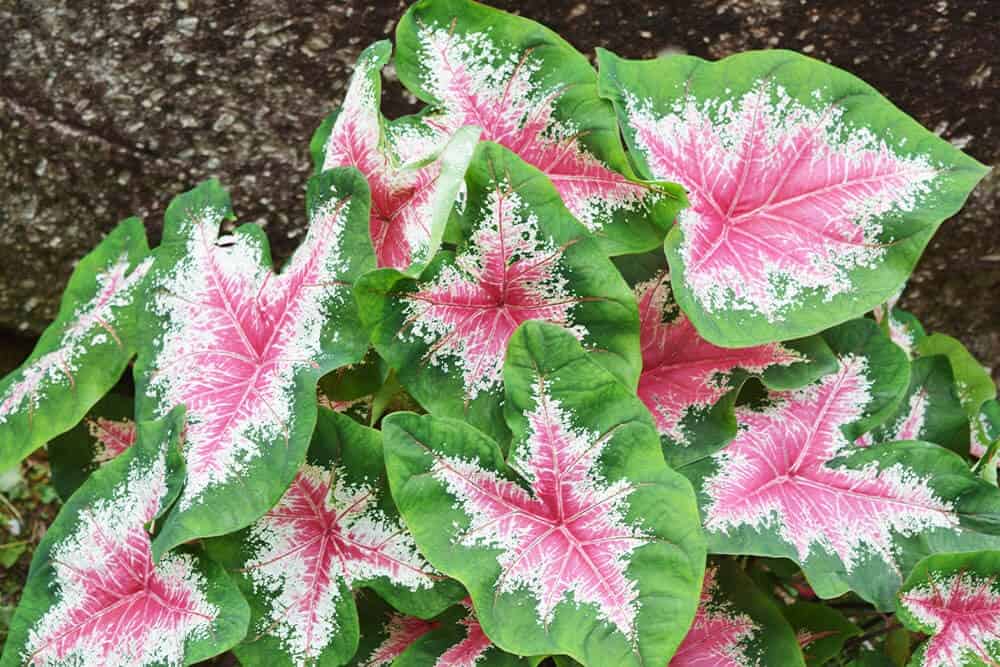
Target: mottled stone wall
x=107 y=109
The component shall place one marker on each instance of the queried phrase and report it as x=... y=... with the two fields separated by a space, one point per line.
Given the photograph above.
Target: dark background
x=108 y=109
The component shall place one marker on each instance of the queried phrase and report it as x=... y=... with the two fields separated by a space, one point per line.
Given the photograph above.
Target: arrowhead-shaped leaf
x=583 y=542
x=736 y=625
x=95 y=596
x=413 y=182
x=106 y=432
x=334 y=530
x=793 y=484
x=457 y=641
x=811 y=195
x=524 y=258
x=532 y=92
x=83 y=352
x=243 y=347
x=954 y=598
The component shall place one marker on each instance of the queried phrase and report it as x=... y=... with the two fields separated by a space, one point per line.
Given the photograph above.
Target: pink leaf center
x=718 y=636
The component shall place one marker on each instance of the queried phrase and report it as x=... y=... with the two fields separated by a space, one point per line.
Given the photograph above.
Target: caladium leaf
x=954 y=598
x=985 y=428
x=902 y=327
x=410 y=203
x=105 y=433
x=930 y=410
x=83 y=352
x=457 y=641
x=243 y=347
x=793 y=484
x=812 y=196
x=736 y=625
x=94 y=595
x=524 y=258
x=583 y=542
x=532 y=92
x=975 y=386
x=820 y=630
x=333 y=531
x=386 y=633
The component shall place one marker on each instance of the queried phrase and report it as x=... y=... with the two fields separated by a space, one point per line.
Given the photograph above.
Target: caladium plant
x=527 y=394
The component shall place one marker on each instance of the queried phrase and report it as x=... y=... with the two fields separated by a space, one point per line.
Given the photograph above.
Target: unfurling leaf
x=242 y=347
x=524 y=258
x=533 y=93
x=410 y=203
x=793 y=484
x=955 y=599
x=83 y=352
x=333 y=531
x=583 y=542
x=95 y=596
x=736 y=626
x=105 y=433
x=811 y=196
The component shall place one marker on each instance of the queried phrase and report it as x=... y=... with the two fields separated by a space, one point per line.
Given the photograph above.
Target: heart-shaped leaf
x=583 y=542
x=812 y=196
x=95 y=596
x=333 y=531
x=793 y=484
x=533 y=93
x=955 y=599
x=83 y=352
x=524 y=258
x=106 y=432
x=736 y=625
x=243 y=347
x=410 y=203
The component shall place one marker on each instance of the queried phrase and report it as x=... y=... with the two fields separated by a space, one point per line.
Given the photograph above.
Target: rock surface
x=108 y=109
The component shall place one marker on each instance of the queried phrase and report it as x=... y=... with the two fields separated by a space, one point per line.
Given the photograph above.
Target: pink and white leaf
x=719 y=634
x=112 y=437
x=566 y=537
x=507 y=274
x=774 y=477
x=324 y=535
x=783 y=201
x=963 y=611
x=473 y=646
x=681 y=371
x=400 y=632
x=235 y=335
x=115 y=607
x=476 y=82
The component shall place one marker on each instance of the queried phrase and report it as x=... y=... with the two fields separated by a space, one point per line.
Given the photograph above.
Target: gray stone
x=110 y=109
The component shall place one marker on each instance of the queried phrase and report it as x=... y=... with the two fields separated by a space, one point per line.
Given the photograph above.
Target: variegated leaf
x=83 y=352
x=583 y=542
x=902 y=327
x=457 y=641
x=811 y=196
x=413 y=181
x=243 y=347
x=105 y=433
x=386 y=633
x=985 y=428
x=736 y=625
x=975 y=386
x=793 y=484
x=334 y=531
x=954 y=598
x=524 y=258
x=533 y=93
x=95 y=595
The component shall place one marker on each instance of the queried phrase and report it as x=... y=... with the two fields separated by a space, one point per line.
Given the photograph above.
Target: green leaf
x=975 y=386
x=243 y=347
x=334 y=531
x=83 y=352
x=102 y=435
x=531 y=91
x=94 y=595
x=458 y=639
x=955 y=599
x=523 y=257
x=821 y=630
x=812 y=196
x=585 y=461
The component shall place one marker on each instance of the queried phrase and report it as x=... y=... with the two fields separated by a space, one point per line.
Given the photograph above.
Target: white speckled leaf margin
x=243 y=347
x=811 y=196
x=95 y=595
